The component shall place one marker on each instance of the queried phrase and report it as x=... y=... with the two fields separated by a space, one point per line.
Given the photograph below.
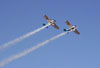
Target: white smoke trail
x=22 y=37
x=17 y=56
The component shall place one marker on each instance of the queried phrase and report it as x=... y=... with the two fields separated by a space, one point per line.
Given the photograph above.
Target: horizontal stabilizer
x=65 y=30
x=45 y=25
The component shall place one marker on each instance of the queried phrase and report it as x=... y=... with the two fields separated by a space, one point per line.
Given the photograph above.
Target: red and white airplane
x=52 y=22
x=71 y=28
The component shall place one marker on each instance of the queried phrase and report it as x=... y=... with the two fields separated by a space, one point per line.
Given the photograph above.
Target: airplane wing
x=76 y=31
x=55 y=26
x=46 y=18
x=69 y=25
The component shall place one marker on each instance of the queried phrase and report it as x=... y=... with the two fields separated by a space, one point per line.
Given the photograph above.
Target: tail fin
x=44 y=25
x=65 y=30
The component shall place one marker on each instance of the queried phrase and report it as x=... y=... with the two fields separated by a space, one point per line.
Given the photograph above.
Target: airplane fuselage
x=72 y=28
x=52 y=22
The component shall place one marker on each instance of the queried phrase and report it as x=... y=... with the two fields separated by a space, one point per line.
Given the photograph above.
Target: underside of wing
x=76 y=31
x=55 y=26
x=46 y=18
x=69 y=25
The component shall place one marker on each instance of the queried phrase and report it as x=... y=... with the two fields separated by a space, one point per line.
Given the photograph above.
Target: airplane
x=71 y=28
x=52 y=22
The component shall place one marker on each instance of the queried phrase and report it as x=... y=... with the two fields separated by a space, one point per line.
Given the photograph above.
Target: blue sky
x=18 y=17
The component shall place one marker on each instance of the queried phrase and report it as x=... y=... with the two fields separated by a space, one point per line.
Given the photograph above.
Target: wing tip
x=57 y=28
x=77 y=32
x=66 y=20
x=44 y=14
